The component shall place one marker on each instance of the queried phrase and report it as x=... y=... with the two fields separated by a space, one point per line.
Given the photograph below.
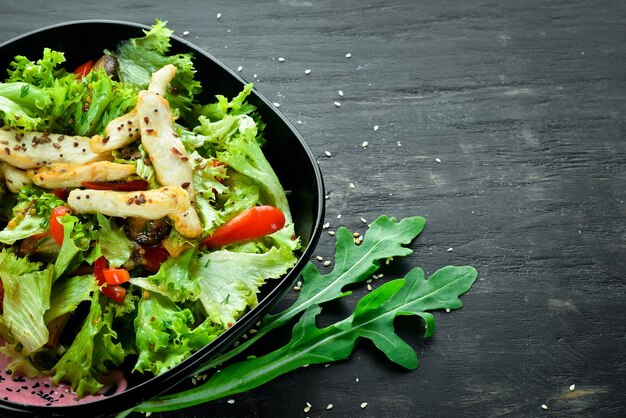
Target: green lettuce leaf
x=31 y=214
x=230 y=280
x=77 y=238
x=115 y=245
x=26 y=299
x=166 y=334
x=23 y=105
x=140 y=57
x=93 y=351
x=68 y=293
x=174 y=278
x=41 y=73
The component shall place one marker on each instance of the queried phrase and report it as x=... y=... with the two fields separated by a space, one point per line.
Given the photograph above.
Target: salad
x=137 y=223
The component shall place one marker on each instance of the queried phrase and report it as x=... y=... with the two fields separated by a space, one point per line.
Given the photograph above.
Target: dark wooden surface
x=522 y=102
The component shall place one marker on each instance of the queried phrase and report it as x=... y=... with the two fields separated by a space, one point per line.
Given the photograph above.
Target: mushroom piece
x=146 y=232
x=110 y=65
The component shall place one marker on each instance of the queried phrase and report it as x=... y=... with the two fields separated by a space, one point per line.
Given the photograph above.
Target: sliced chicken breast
x=60 y=175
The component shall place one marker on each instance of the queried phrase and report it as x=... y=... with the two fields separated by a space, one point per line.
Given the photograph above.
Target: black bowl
x=285 y=149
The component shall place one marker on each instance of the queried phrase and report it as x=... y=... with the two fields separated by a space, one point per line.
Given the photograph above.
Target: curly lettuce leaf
x=68 y=293
x=93 y=352
x=140 y=57
x=41 y=73
x=174 y=278
x=26 y=299
x=76 y=247
x=115 y=245
x=31 y=215
x=166 y=334
x=230 y=280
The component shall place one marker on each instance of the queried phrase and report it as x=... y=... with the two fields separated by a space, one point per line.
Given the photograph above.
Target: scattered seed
x=319 y=258
x=276 y=104
x=348 y=55
x=399 y=143
x=447 y=309
x=364 y=220
x=307 y=71
x=369 y=287
x=281 y=59
x=352 y=186
x=340 y=92
x=297 y=288
x=328 y=154
x=572 y=387
x=544 y=407
x=219 y=15
x=231 y=401
x=337 y=104
x=239 y=68
x=450 y=249
x=364 y=144
x=331 y=233
x=364 y=405
x=438 y=160
x=339 y=216
x=307 y=409
x=376 y=127
x=329 y=406
x=326 y=225
x=326 y=263
x=185 y=33
x=355 y=234
x=357 y=380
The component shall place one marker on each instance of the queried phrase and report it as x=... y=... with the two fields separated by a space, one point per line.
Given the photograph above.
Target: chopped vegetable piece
x=98 y=269
x=55 y=227
x=129 y=186
x=84 y=69
x=114 y=292
x=252 y=223
x=116 y=276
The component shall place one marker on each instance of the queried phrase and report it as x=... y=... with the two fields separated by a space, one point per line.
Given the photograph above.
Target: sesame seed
x=331 y=233
x=326 y=225
x=309 y=405
x=450 y=249
x=348 y=55
x=339 y=216
x=364 y=144
x=376 y=127
x=319 y=258
x=326 y=263
x=364 y=405
x=281 y=59
x=306 y=409
x=544 y=407
x=447 y=309
x=231 y=401
x=369 y=287
x=219 y=15
x=357 y=380
x=337 y=104
x=352 y=186
x=239 y=68
x=307 y=71
x=572 y=387
x=438 y=160
x=276 y=104
x=328 y=154
x=329 y=406
x=340 y=92
x=355 y=234
x=364 y=220
x=185 y=33
x=297 y=288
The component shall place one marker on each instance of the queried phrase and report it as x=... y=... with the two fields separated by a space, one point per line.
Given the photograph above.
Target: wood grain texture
x=522 y=102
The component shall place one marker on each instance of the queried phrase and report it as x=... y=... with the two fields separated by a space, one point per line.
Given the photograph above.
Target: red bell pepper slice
x=252 y=223
x=116 y=276
x=84 y=69
x=116 y=293
x=129 y=186
x=56 y=229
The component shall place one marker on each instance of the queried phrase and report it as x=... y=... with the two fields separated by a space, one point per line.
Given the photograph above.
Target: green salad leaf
x=373 y=319
x=26 y=299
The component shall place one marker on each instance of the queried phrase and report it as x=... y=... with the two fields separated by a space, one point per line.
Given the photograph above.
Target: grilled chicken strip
x=35 y=149
x=149 y=204
x=169 y=158
x=60 y=175
x=125 y=129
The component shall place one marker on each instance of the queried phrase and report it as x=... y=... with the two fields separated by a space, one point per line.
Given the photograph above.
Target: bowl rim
x=168 y=380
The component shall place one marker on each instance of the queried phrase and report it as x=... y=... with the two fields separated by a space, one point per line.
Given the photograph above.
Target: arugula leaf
x=385 y=238
x=372 y=319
